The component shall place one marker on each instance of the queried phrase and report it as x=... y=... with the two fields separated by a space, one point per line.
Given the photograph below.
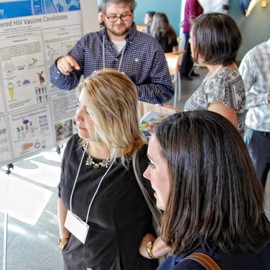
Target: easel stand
x=8 y=172
x=58 y=149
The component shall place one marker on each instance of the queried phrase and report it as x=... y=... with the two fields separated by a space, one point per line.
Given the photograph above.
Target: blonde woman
x=98 y=187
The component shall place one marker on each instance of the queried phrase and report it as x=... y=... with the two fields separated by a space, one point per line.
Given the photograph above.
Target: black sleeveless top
x=118 y=219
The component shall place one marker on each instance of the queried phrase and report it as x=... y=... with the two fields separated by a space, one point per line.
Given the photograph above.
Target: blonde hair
x=113 y=106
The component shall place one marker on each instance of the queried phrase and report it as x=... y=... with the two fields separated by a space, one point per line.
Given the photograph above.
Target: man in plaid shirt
x=120 y=46
x=254 y=69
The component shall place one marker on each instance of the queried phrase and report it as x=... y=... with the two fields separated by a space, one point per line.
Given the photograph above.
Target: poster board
x=151 y=114
x=34 y=114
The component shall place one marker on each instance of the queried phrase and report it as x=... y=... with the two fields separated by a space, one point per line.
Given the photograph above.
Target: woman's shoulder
x=229 y=74
x=73 y=140
x=232 y=81
x=224 y=80
x=180 y=263
x=240 y=261
x=73 y=143
x=188 y=265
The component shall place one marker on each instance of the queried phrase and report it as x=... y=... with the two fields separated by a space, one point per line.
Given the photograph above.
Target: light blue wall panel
x=255 y=28
x=170 y=7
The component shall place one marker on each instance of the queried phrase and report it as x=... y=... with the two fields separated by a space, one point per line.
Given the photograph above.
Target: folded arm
x=159 y=247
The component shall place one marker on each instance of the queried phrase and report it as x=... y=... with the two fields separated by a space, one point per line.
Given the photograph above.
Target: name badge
x=76 y=226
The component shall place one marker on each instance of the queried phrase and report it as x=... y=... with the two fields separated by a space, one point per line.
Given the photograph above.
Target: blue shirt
x=255 y=68
x=258 y=261
x=142 y=60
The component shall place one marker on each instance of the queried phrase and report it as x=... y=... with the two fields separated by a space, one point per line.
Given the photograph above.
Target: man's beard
x=116 y=33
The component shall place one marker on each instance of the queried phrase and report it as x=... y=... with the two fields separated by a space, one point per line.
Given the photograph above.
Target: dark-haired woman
x=205 y=183
x=163 y=32
x=215 y=40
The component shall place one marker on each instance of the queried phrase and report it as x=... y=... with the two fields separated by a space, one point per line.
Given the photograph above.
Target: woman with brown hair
x=206 y=185
x=215 y=40
x=163 y=32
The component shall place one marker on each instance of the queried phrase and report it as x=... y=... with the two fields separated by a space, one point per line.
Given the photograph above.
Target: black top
x=164 y=42
x=119 y=216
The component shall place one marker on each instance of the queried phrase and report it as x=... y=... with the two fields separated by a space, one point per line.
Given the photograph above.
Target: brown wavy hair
x=160 y=24
x=215 y=195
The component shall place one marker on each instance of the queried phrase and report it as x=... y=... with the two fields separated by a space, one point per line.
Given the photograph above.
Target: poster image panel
x=31 y=131
x=36 y=7
x=23 y=71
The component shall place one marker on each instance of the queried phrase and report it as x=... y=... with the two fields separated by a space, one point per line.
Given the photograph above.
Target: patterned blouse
x=225 y=86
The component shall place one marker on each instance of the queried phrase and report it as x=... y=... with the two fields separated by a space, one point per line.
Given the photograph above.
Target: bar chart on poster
x=34 y=114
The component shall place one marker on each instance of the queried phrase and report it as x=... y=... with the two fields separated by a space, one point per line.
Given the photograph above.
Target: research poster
x=35 y=115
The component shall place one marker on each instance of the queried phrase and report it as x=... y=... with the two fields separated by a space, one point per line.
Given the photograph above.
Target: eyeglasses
x=123 y=17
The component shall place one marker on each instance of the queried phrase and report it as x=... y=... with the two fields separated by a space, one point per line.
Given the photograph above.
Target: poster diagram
x=31 y=130
x=34 y=115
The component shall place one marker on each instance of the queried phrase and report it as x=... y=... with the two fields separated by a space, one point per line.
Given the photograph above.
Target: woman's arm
x=62 y=213
x=157 y=249
x=227 y=112
x=175 y=48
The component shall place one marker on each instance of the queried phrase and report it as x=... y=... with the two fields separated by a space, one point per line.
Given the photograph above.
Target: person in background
x=192 y=10
x=148 y=18
x=205 y=183
x=120 y=46
x=220 y=6
x=254 y=69
x=98 y=184
x=215 y=40
x=100 y=17
x=163 y=32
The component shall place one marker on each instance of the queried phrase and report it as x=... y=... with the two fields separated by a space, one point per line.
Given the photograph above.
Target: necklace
x=105 y=163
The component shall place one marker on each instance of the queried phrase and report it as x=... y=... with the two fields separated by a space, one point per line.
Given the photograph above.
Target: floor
x=188 y=87
x=32 y=235
x=29 y=192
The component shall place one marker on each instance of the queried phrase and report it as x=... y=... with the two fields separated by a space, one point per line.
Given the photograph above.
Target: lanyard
x=103 y=54
x=97 y=189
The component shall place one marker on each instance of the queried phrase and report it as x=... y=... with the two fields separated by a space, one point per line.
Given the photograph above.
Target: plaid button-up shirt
x=255 y=70
x=143 y=61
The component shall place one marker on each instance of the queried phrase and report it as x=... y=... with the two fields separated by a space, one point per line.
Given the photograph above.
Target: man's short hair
x=131 y=3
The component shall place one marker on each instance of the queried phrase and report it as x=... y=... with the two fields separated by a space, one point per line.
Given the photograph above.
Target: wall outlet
x=264 y=3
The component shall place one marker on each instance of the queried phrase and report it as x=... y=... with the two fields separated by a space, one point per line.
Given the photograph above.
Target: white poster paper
x=35 y=115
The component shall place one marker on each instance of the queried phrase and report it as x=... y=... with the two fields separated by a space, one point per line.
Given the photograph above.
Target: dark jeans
x=187 y=61
x=258 y=145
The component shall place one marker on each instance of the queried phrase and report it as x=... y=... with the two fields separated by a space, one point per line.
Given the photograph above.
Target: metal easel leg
x=5 y=241
x=8 y=171
x=58 y=149
x=175 y=85
x=177 y=90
